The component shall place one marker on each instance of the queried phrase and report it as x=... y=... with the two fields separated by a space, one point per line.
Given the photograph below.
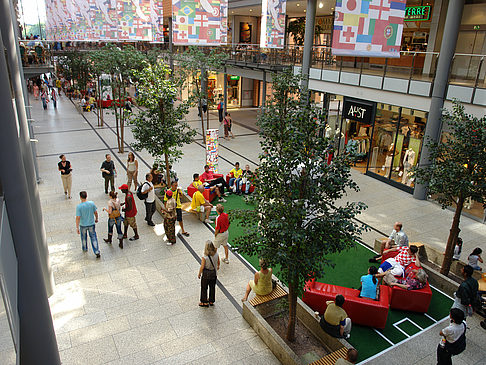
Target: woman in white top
x=132 y=170
x=115 y=218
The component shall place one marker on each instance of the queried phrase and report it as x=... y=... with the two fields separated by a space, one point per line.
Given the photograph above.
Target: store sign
x=417 y=13
x=358 y=110
x=234 y=77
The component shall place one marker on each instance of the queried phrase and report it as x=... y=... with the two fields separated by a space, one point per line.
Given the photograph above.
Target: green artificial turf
x=349 y=266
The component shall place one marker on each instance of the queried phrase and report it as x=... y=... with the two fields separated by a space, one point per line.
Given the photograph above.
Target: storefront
x=388 y=138
x=216 y=88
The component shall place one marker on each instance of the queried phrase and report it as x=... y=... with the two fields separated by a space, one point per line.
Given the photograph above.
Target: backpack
x=140 y=195
x=455 y=348
x=219 y=106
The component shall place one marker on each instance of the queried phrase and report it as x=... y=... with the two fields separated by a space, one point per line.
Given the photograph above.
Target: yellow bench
x=276 y=293
x=330 y=359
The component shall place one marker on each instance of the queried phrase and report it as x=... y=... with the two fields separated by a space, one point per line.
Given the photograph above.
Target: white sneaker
x=222 y=200
x=208 y=221
x=225 y=260
x=169 y=244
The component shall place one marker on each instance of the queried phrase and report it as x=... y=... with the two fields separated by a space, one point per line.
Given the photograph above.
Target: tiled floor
x=139 y=305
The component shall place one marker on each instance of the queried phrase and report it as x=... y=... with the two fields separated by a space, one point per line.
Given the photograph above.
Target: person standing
x=226 y=125
x=130 y=209
x=220 y=110
x=465 y=295
x=148 y=188
x=114 y=218
x=86 y=218
x=169 y=213
x=54 y=98
x=208 y=272
x=36 y=92
x=453 y=340
x=132 y=170
x=67 y=179
x=44 y=97
x=229 y=123
x=108 y=171
x=221 y=233
x=176 y=194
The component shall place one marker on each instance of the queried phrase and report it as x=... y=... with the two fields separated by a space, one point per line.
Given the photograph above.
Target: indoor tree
x=457 y=171
x=297 y=219
x=160 y=127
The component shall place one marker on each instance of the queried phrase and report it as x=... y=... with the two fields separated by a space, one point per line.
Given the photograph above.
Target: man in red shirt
x=208 y=177
x=130 y=210
x=221 y=232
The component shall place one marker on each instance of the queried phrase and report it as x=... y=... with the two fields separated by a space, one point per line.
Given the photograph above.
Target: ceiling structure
x=295 y=8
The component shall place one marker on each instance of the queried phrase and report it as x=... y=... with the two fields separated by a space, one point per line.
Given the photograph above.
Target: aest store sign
x=417 y=13
x=358 y=110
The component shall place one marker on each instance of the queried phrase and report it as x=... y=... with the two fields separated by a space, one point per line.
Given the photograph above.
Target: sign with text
x=358 y=110
x=417 y=13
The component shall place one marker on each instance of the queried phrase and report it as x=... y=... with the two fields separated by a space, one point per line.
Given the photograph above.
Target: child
x=195 y=180
x=221 y=232
x=450 y=334
x=474 y=257
x=457 y=249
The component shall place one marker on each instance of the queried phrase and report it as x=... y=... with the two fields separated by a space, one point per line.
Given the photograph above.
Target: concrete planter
x=255 y=318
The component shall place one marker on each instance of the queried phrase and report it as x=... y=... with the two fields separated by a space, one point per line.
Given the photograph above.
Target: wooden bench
x=330 y=359
x=276 y=293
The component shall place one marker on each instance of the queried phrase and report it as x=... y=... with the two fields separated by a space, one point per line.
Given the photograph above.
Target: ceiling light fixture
x=321 y=5
x=298 y=4
x=251 y=9
x=305 y=10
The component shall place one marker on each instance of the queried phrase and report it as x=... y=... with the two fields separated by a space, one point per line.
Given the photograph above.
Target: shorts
x=179 y=214
x=221 y=239
x=201 y=208
x=130 y=221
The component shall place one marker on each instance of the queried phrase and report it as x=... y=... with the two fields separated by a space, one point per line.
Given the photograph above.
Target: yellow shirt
x=197 y=200
x=91 y=100
x=177 y=196
x=334 y=314
x=237 y=173
x=196 y=183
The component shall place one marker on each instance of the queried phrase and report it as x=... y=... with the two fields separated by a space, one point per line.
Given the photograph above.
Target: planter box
x=159 y=200
x=255 y=317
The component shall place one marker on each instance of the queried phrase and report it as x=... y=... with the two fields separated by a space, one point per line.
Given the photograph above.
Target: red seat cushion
x=363 y=311
x=208 y=195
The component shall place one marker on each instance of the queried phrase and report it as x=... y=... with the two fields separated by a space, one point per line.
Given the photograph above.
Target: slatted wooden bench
x=330 y=359
x=276 y=293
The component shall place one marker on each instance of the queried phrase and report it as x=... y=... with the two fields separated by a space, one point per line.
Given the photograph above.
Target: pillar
x=225 y=91
x=37 y=338
x=171 y=47
x=447 y=49
x=264 y=88
x=310 y=18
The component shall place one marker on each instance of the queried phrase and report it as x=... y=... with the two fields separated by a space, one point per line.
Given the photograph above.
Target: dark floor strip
x=73 y=153
x=66 y=131
x=220 y=285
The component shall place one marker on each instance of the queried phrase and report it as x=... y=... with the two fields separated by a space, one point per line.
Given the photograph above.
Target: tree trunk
x=167 y=170
x=292 y=312
x=115 y=107
x=207 y=118
x=453 y=233
x=122 y=121
x=202 y=121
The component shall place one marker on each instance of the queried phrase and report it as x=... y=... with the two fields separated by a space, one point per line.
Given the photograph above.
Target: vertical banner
x=157 y=20
x=369 y=28
x=223 y=25
x=212 y=149
x=105 y=20
x=196 y=22
x=134 y=20
x=272 y=33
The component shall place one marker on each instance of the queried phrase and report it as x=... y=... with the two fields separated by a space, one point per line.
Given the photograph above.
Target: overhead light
x=304 y=10
x=332 y=8
x=232 y=12
x=321 y=5
x=298 y=4
x=251 y=9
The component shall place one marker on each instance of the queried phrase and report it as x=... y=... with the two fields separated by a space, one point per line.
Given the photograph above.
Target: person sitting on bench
x=196 y=182
x=335 y=320
x=414 y=279
x=262 y=282
x=397 y=264
x=208 y=177
x=397 y=238
x=200 y=205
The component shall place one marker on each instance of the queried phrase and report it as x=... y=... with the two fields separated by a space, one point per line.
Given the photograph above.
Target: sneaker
x=169 y=244
x=347 y=336
x=134 y=238
x=225 y=194
x=222 y=200
x=152 y=224
x=225 y=260
x=208 y=221
x=98 y=255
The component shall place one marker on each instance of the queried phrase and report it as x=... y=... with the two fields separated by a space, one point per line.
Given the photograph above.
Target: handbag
x=457 y=347
x=210 y=274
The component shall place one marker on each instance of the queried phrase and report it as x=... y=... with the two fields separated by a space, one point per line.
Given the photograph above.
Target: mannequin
x=388 y=159
x=408 y=162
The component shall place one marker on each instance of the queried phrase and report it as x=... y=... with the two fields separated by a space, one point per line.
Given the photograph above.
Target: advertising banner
x=212 y=149
x=196 y=22
x=224 y=21
x=273 y=23
x=368 y=28
x=104 y=20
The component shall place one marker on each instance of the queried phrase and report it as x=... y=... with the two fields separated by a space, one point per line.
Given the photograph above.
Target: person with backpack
x=114 y=218
x=453 y=340
x=146 y=193
x=130 y=209
x=466 y=296
x=220 y=110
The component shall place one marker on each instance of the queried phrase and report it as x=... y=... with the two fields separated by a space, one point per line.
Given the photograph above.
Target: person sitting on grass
x=261 y=283
x=351 y=358
x=200 y=205
x=335 y=320
x=369 y=283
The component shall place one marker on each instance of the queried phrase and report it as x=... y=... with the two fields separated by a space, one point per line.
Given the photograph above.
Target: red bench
x=363 y=311
x=242 y=187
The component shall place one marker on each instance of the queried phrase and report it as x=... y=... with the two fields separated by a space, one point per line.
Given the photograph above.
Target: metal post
x=447 y=49
x=37 y=339
x=310 y=18
x=225 y=91
x=171 y=47
x=264 y=88
x=9 y=41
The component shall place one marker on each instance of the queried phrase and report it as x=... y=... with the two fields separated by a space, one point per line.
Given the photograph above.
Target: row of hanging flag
x=361 y=27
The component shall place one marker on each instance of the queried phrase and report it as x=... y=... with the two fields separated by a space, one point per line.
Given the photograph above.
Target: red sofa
x=363 y=311
x=208 y=195
x=243 y=186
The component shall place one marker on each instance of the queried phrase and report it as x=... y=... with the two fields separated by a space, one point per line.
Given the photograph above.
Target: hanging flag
x=273 y=23
x=196 y=22
x=224 y=21
x=368 y=28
